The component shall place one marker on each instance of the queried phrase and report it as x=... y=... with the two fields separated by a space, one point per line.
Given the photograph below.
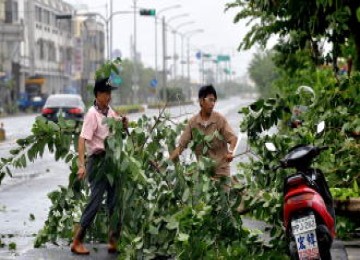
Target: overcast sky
x=220 y=36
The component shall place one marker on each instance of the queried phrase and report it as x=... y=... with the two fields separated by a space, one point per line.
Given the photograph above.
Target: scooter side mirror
x=320 y=127
x=270 y=147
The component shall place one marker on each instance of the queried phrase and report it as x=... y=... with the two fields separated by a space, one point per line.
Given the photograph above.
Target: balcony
x=11 y=32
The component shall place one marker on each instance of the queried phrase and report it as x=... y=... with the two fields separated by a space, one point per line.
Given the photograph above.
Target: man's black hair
x=103 y=85
x=204 y=91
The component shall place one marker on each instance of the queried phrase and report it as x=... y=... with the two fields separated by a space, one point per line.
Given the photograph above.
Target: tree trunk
x=354 y=26
x=357 y=46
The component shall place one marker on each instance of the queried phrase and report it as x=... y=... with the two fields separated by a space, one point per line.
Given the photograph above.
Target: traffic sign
x=153 y=83
x=223 y=58
x=115 y=79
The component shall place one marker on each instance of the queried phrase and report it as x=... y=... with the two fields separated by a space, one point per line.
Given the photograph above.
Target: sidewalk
x=352 y=249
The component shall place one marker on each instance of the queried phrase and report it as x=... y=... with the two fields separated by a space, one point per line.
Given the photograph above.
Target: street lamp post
x=106 y=20
x=176 y=29
x=156 y=36
x=165 y=51
x=164 y=32
x=189 y=34
x=135 y=78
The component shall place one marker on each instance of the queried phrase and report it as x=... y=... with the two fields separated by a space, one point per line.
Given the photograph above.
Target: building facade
x=89 y=52
x=45 y=48
x=11 y=37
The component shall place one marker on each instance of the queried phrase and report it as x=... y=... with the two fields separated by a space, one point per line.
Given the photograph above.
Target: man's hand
x=125 y=122
x=81 y=172
x=229 y=156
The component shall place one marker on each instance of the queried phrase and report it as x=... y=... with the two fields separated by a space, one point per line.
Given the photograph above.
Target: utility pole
x=156 y=39
x=32 y=45
x=164 y=59
x=111 y=30
x=135 y=77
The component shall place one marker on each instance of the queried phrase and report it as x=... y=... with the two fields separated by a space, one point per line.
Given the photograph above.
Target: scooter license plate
x=305 y=237
x=302 y=225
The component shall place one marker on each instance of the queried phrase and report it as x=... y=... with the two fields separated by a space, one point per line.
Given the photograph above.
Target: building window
x=11 y=11
x=46 y=17
x=2 y=10
x=38 y=14
x=52 y=51
x=61 y=55
x=41 y=47
x=15 y=11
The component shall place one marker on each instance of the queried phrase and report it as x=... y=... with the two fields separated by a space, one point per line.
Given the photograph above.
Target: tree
x=125 y=94
x=302 y=22
x=263 y=72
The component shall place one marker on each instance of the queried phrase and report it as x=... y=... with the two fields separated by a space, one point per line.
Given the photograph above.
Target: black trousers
x=99 y=184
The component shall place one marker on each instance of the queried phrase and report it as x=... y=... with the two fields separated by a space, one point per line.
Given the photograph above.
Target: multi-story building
x=46 y=48
x=11 y=36
x=89 y=51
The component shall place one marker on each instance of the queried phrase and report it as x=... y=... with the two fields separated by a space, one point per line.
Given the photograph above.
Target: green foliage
x=263 y=114
x=346 y=193
x=107 y=68
x=57 y=138
x=125 y=94
x=12 y=246
x=336 y=103
x=263 y=72
x=165 y=209
x=300 y=24
x=179 y=211
x=174 y=94
x=129 y=109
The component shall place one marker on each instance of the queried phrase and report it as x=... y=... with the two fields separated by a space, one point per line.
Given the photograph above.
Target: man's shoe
x=112 y=247
x=79 y=249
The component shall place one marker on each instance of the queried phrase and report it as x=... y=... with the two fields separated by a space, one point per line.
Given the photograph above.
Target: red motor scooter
x=309 y=217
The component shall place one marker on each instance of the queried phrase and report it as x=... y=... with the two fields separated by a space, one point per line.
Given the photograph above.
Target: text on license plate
x=303 y=225
x=307 y=245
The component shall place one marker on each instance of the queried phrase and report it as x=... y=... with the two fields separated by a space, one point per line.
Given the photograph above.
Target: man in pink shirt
x=92 y=137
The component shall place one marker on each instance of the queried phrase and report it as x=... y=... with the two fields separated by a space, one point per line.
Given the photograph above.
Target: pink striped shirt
x=94 y=131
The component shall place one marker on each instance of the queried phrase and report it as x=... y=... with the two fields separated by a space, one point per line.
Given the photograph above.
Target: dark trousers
x=99 y=184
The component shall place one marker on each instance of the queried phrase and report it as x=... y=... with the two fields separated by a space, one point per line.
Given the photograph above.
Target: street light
x=156 y=36
x=182 y=46
x=177 y=17
x=189 y=34
x=164 y=51
x=105 y=20
x=168 y=21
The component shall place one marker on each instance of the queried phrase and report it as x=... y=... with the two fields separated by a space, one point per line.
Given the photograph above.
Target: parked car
x=69 y=106
x=26 y=101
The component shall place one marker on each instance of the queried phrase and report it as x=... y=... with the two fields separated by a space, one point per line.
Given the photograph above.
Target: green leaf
x=186 y=195
x=8 y=171
x=12 y=246
x=110 y=178
x=173 y=224
x=355 y=186
x=183 y=237
x=358 y=14
x=153 y=230
x=68 y=158
x=31 y=217
x=15 y=151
